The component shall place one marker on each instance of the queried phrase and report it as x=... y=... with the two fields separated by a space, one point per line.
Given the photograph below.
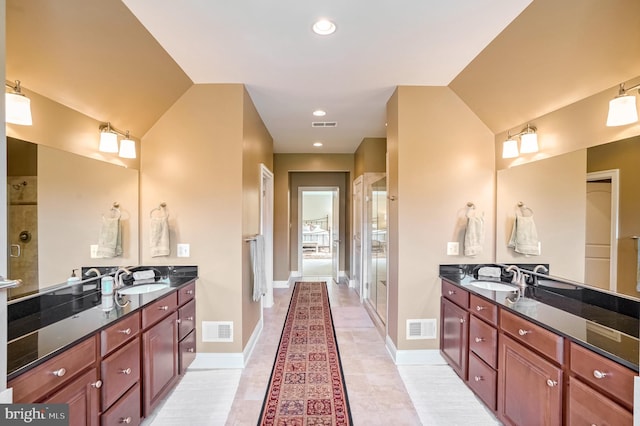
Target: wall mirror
x=585 y=207
x=56 y=200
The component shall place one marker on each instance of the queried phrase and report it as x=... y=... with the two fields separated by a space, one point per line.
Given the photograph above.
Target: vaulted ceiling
x=509 y=60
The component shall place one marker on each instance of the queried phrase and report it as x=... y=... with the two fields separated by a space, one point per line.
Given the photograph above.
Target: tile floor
x=379 y=392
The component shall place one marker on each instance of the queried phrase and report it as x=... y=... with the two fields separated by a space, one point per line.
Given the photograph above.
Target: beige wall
x=393 y=123
x=371 y=156
x=444 y=159
x=555 y=190
x=283 y=164
x=192 y=160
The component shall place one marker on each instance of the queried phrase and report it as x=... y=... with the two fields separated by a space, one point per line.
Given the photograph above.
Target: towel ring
x=523 y=208
x=114 y=211
x=161 y=209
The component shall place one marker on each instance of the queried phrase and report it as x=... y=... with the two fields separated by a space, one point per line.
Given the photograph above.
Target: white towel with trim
x=110 y=238
x=256 y=247
x=159 y=236
x=524 y=236
x=474 y=235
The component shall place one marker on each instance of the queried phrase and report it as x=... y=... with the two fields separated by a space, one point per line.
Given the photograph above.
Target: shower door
x=376 y=226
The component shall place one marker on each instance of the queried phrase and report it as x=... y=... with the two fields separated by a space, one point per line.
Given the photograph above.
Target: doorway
x=266 y=229
x=318 y=228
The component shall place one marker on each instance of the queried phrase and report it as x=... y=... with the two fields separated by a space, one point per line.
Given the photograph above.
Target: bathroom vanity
x=550 y=356
x=111 y=366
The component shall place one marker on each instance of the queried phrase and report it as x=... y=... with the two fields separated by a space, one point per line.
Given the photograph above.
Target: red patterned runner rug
x=307 y=385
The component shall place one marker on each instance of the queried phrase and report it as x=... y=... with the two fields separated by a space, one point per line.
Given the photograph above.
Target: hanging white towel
x=256 y=246
x=110 y=238
x=524 y=236
x=159 y=236
x=474 y=235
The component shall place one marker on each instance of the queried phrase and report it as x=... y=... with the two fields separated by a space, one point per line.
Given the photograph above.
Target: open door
x=335 y=236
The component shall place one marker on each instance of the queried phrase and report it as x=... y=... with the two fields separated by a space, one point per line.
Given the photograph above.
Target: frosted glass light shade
x=127 y=148
x=529 y=143
x=18 y=109
x=510 y=148
x=108 y=142
x=622 y=110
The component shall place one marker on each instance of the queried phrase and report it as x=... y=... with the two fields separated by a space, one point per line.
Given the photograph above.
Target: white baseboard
x=281 y=284
x=352 y=283
x=6 y=396
x=414 y=357
x=210 y=361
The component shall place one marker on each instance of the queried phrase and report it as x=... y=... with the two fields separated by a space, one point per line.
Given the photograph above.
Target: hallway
x=378 y=390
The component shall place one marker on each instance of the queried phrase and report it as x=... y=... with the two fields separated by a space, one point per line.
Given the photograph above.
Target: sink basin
x=141 y=289
x=493 y=286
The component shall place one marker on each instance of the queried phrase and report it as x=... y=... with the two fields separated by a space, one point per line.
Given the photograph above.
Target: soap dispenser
x=73 y=279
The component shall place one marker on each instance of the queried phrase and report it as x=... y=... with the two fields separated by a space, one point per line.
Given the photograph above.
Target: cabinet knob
x=479 y=339
x=478 y=378
x=126 y=331
x=599 y=374
x=189 y=318
x=190 y=292
x=480 y=308
x=551 y=383
x=451 y=292
x=523 y=332
x=163 y=308
x=97 y=384
x=60 y=372
x=126 y=420
x=191 y=350
x=461 y=320
x=126 y=371
x=178 y=321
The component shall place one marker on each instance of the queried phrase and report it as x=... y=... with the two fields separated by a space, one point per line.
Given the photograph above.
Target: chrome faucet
x=118 y=277
x=536 y=270
x=519 y=278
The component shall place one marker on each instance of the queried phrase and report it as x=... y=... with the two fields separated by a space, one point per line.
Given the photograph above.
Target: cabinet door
x=529 y=387
x=454 y=336
x=589 y=407
x=83 y=397
x=160 y=364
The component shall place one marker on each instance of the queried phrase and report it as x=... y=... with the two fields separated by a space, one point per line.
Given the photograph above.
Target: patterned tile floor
x=380 y=393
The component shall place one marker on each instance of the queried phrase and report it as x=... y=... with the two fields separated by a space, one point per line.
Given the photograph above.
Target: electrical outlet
x=183 y=250
x=453 y=248
x=93 y=248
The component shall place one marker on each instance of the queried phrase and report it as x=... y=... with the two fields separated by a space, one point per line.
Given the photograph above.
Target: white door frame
x=614 y=176
x=266 y=229
x=357 y=207
x=302 y=189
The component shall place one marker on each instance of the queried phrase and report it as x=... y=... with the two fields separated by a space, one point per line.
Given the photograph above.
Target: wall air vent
x=421 y=329
x=217 y=331
x=324 y=124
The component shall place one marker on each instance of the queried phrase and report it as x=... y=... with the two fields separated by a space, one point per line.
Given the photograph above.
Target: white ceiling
x=289 y=71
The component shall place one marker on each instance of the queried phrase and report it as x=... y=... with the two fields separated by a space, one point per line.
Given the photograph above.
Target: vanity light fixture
x=324 y=27
x=18 y=106
x=317 y=144
x=319 y=113
x=528 y=143
x=109 y=141
x=622 y=108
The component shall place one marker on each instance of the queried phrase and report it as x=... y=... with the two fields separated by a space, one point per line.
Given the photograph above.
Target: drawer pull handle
x=190 y=292
x=599 y=374
x=523 y=332
x=478 y=378
x=126 y=371
x=191 y=350
x=551 y=383
x=163 y=308
x=461 y=320
x=126 y=331
x=126 y=420
x=479 y=339
x=178 y=321
x=480 y=308
x=97 y=384
x=60 y=372
x=451 y=292
x=189 y=318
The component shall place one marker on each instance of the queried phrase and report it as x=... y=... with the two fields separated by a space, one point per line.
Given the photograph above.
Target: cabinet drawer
x=589 y=407
x=159 y=309
x=186 y=319
x=125 y=411
x=483 y=309
x=483 y=340
x=120 y=371
x=454 y=293
x=186 y=293
x=187 y=351
x=483 y=380
x=119 y=333
x=603 y=373
x=41 y=380
x=540 y=339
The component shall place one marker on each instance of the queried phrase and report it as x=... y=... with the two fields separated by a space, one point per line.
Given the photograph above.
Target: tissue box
x=489 y=271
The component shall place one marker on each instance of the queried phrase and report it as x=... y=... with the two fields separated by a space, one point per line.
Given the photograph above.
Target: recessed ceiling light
x=324 y=27
x=317 y=144
x=319 y=113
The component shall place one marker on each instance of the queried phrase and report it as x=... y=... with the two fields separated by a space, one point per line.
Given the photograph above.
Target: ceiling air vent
x=324 y=124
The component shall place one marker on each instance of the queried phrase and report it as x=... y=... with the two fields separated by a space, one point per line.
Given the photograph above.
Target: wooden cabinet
x=589 y=407
x=126 y=411
x=454 y=335
x=83 y=397
x=529 y=387
x=120 y=372
x=186 y=335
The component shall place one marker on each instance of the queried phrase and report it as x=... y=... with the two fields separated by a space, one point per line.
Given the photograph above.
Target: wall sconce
x=109 y=141
x=18 y=106
x=622 y=108
x=528 y=143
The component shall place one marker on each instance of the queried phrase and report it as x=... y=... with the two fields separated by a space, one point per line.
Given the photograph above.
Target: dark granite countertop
x=36 y=336
x=611 y=331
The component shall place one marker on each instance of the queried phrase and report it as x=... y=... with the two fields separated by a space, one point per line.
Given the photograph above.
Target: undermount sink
x=140 y=289
x=493 y=286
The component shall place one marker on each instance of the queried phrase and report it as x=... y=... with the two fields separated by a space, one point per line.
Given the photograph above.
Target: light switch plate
x=183 y=250
x=94 y=251
x=453 y=248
